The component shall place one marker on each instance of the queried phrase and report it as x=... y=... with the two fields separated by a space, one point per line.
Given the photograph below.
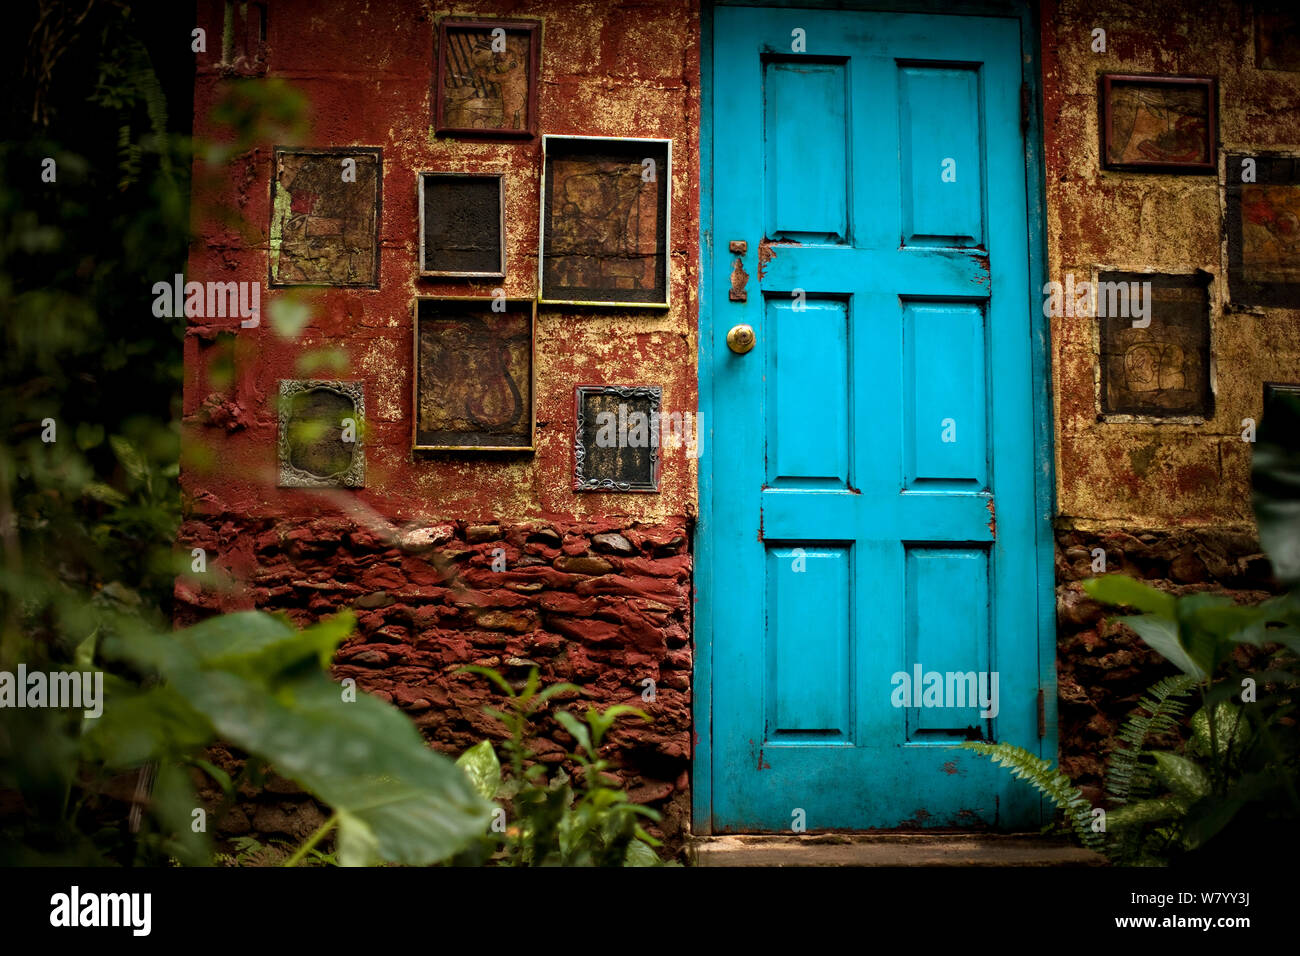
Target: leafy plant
x=1239 y=770
x=250 y=851
x=1237 y=758
x=254 y=681
x=1236 y=777
x=1049 y=782
x=1158 y=713
x=555 y=822
x=90 y=406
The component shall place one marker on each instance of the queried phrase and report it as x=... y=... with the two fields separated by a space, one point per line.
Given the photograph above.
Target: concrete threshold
x=888 y=849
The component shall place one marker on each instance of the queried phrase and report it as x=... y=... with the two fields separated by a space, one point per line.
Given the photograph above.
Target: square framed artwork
x=474 y=380
x=325 y=214
x=485 y=78
x=1159 y=123
x=462 y=224
x=1277 y=35
x=1155 y=357
x=320 y=439
x=605 y=214
x=616 y=441
x=1262 y=200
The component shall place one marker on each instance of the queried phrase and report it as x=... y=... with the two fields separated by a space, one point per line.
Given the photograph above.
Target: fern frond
x=1050 y=782
x=1157 y=713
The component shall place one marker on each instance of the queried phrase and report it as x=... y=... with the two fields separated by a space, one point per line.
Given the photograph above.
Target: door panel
x=873 y=480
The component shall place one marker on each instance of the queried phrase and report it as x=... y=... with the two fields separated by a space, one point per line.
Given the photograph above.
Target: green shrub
x=555 y=821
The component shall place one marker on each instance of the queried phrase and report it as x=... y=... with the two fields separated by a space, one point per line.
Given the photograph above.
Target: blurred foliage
x=90 y=407
x=90 y=504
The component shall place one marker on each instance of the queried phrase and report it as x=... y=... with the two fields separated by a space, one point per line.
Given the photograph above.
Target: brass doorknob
x=740 y=339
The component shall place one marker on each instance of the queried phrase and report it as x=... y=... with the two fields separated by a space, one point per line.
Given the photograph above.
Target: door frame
x=1044 y=427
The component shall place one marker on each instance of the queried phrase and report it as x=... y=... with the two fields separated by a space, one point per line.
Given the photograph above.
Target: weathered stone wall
x=1102 y=667
x=1168 y=501
x=584 y=610
x=622 y=69
x=601 y=604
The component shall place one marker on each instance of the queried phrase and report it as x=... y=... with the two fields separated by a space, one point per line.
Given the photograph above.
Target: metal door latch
x=739 y=277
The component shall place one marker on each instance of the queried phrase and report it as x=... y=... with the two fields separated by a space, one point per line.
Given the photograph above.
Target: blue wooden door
x=874 y=592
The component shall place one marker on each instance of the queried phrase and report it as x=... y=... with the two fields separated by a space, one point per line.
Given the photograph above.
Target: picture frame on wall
x=485 y=77
x=320 y=442
x=616 y=437
x=1277 y=36
x=1262 y=206
x=1154 y=336
x=474 y=386
x=462 y=224
x=1159 y=123
x=1276 y=391
x=606 y=213
x=326 y=208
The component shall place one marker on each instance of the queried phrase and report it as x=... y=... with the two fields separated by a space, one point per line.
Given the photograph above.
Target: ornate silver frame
x=354 y=476
x=581 y=482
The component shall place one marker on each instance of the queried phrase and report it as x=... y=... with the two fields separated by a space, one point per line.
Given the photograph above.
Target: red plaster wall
x=411 y=553
x=607 y=69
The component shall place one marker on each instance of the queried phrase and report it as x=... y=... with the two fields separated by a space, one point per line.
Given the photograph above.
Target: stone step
x=888 y=849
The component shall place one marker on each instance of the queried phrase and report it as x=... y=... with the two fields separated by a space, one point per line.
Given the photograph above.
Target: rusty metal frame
x=342 y=151
x=1208 y=83
x=581 y=481
x=667 y=185
x=420 y=176
x=485 y=302
x=290 y=476
x=534 y=30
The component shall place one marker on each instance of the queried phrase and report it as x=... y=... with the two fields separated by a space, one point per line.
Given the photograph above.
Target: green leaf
x=216 y=773
x=142 y=725
x=105 y=493
x=261 y=647
x=84 y=657
x=576 y=728
x=1050 y=782
x=640 y=854
x=491 y=675
x=1143 y=813
x=173 y=804
x=130 y=457
x=1161 y=635
x=1207 y=817
x=558 y=689
x=1288 y=637
x=357 y=843
x=1123 y=590
x=1186 y=779
x=1228 y=727
x=481 y=766
x=360 y=757
x=601 y=722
